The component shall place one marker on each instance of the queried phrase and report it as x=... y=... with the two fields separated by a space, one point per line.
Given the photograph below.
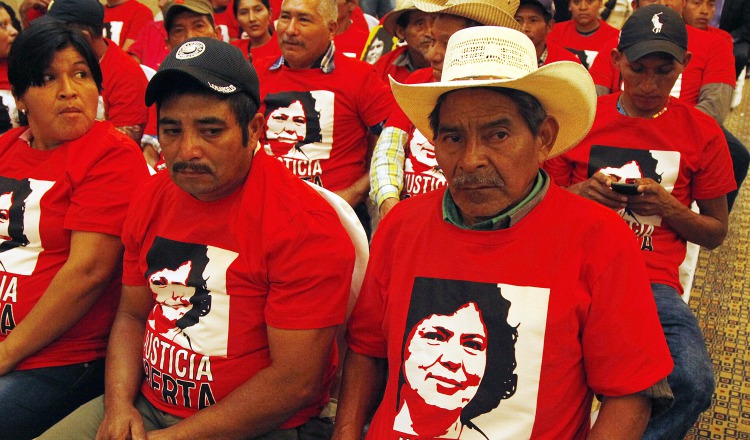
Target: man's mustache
x=463 y=181
x=195 y=167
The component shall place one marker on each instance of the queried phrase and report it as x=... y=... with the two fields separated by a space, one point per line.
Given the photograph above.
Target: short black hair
x=242 y=105
x=32 y=52
x=236 y=6
x=528 y=106
x=13 y=18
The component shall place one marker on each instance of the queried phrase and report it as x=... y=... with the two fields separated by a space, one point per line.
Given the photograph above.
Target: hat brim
x=643 y=48
x=485 y=13
x=564 y=89
x=164 y=77
x=389 y=20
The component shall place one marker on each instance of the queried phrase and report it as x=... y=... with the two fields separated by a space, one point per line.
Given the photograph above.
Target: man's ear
x=688 y=57
x=546 y=136
x=333 y=27
x=616 y=56
x=256 y=127
x=217 y=31
x=400 y=33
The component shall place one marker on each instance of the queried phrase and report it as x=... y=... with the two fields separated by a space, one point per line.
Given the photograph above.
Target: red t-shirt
x=123 y=88
x=586 y=47
x=684 y=149
x=151 y=45
x=82 y=185
x=579 y=301
x=323 y=134
x=384 y=66
x=353 y=41
x=556 y=53
x=125 y=21
x=712 y=62
x=272 y=253
x=227 y=23
x=270 y=49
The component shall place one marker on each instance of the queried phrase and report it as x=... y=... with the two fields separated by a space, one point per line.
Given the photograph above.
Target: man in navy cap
x=234 y=272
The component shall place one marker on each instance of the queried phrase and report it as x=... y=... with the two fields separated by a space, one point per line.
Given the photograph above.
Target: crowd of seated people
x=219 y=288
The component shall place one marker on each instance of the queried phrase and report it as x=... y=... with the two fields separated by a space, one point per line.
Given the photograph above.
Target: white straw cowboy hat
x=498 y=57
x=486 y=12
x=402 y=7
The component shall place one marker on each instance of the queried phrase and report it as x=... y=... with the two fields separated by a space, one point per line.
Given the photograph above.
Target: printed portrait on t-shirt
x=380 y=43
x=188 y=281
x=299 y=124
x=421 y=171
x=628 y=163
x=20 y=211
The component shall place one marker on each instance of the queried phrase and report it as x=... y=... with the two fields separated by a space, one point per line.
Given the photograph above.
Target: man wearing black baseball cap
x=247 y=276
x=649 y=156
x=123 y=81
x=535 y=18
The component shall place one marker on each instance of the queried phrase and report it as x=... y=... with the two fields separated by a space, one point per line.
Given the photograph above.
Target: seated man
x=411 y=26
x=484 y=319
x=649 y=156
x=586 y=33
x=535 y=18
x=225 y=287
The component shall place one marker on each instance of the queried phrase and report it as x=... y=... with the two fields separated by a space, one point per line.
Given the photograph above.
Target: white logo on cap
x=189 y=50
x=657 y=24
x=227 y=89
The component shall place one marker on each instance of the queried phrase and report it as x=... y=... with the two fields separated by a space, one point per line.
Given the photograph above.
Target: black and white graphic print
x=299 y=125
x=189 y=281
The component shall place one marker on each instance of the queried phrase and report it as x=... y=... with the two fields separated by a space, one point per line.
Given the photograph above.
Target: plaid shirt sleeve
x=387 y=168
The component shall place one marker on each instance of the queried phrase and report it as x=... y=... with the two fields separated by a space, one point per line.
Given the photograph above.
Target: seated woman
x=254 y=18
x=9 y=27
x=65 y=184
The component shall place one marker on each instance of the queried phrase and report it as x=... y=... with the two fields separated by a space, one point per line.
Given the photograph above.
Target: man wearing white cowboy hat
x=396 y=172
x=411 y=26
x=502 y=228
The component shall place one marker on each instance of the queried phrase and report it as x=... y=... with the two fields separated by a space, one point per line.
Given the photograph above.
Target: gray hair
x=329 y=10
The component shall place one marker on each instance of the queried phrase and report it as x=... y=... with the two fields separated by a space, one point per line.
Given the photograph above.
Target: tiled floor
x=721 y=300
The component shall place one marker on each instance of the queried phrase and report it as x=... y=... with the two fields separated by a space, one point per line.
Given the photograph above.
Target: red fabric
x=4 y=83
x=270 y=49
x=580 y=302
x=555 y=53
x=151 y=45
x=353 y=41
x=721 y=33
x=227 y=22
x=384 y=66
x=123 y=88
x=289 y=268
x=693 y=164
x=586 y=47
x=82 y=185
x=712 y=62
x=125 y=21
x=349 y=101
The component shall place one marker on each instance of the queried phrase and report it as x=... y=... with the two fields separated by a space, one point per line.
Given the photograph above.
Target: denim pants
x=692 y=380
x=33 y=400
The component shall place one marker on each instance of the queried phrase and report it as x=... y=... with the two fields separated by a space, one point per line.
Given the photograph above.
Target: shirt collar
x=404 y=60
x=324 y=63
x=505 y=219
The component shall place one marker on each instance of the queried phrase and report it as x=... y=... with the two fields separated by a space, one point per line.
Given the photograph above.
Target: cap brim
x=643 y=48
x=167 y=76
x=556 y=86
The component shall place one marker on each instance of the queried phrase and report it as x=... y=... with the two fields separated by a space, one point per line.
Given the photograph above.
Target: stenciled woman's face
x=376 y=51
x=7 y=33
x=63 y=108
x=254 y=18
x=287 y=124
x=446 y=356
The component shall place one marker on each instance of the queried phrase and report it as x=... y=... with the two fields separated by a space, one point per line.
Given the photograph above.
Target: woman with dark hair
x=458 y=357
x=9 y=27
x=65 y=184
x=254 y=18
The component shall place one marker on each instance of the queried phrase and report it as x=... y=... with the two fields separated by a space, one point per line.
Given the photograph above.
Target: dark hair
x=285 y=99
x=432 y=296
x=236 y=6
x=12 y=14
x=168 y=23
x=33 y=50
x=403 y=20
x=242 y=105
x=529 y=107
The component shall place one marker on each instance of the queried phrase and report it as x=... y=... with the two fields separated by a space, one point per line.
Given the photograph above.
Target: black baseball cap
x=653 y=28
x=85 y=12
x=214 y=64
x=547 y=7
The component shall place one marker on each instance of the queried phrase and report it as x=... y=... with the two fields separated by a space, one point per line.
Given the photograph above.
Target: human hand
x=653 y=199
x=599 y=189
x=121 y=422
x=387 y=205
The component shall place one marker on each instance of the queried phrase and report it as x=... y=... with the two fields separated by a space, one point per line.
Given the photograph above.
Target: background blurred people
x=254 y=18
x=9 y=27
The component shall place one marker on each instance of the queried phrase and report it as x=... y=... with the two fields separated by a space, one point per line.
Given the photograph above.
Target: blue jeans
x=692 y=380
x=33 y=400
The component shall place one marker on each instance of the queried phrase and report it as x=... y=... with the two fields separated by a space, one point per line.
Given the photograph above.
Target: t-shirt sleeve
x=101 y=192
x=560 y=170
x=603 y=71
x=310 y=265
x=625 y=350
x=376 y=103
x=719 y=63
x=140 y=19
x=132 y=240
x=714 y=177
x=124 y=99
